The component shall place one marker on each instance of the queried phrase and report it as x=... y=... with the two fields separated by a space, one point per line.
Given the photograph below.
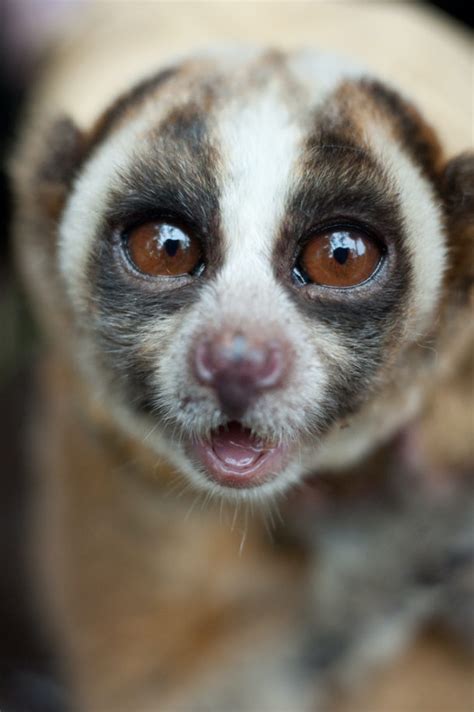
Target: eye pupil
x=341 y=254
x=172 y=247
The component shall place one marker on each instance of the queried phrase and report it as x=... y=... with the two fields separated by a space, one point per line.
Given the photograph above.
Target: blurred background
x=26 y=665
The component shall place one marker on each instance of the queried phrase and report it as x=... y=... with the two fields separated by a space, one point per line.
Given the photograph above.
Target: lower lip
x=265 y=467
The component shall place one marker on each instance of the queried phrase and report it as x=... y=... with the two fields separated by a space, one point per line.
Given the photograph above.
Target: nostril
x=215 y=356
x=203 y=362
x=273 y=366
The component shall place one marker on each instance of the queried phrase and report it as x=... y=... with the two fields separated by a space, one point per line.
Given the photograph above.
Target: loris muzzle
x=254 y=250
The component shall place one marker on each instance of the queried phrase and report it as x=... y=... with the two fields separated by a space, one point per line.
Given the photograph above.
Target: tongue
x=236 y=447
x=233 y=457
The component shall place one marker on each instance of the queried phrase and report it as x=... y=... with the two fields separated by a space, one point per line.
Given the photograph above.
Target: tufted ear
x=457 y=188
x=59 y=158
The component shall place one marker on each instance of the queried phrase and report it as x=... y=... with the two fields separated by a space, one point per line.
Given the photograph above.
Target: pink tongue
x=236 y=447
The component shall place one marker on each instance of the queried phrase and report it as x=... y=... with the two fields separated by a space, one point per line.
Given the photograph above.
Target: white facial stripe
x=423 y=228
x=259 y=145
x=101 y=175
x=85 y=208
x=320 y=73
x=260 y=142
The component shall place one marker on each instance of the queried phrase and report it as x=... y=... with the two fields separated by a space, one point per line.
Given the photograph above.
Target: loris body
x=251 y=267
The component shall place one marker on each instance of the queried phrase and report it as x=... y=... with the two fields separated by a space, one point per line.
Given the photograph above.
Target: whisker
x=244 y=533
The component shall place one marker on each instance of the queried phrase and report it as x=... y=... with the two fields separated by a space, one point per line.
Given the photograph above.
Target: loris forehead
x=256 y=96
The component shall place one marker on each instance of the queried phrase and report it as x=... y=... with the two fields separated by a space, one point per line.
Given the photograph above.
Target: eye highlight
x=160 y=249
x=339 y=258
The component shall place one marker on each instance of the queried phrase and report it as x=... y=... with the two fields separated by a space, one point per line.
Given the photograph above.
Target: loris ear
x=60 y=156
x=457 y=188
x=42 y=169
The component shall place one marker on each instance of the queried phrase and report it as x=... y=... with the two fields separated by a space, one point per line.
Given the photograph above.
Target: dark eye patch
x=121 y=312
x=175 y=177
x=341 y=183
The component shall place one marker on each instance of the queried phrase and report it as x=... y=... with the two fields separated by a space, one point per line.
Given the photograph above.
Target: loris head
x=252 y=249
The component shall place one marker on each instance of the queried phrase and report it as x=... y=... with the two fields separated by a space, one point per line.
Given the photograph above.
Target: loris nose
x=239 y=368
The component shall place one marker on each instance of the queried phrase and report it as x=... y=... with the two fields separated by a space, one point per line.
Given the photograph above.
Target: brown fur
x=433 y=676
x=211 y=602
x=410 y=128
x=209 y=599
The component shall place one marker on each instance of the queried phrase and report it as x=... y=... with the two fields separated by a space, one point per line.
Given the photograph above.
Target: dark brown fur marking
x=341 y=183
x=121 y=108
x=175 y=179
x=415 y=134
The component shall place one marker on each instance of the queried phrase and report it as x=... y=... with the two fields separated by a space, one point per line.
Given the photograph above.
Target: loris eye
x=160 y=249
x=339 y=258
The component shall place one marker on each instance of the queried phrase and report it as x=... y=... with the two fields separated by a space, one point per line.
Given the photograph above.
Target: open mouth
x=233 y=457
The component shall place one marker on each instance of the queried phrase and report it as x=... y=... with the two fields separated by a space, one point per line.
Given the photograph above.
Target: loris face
x=252 y=248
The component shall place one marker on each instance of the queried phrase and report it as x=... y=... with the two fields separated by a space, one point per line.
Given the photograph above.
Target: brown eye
x=163 y=250
x=340 y=258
